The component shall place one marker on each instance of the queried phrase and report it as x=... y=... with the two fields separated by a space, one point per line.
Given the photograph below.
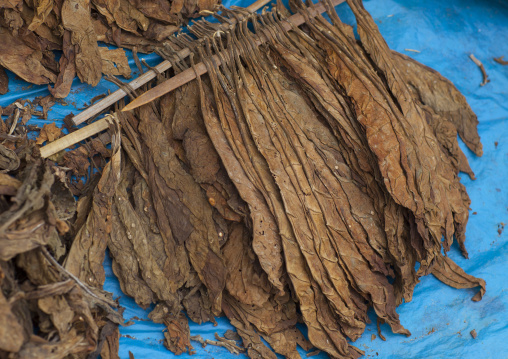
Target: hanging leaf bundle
x=301 y=179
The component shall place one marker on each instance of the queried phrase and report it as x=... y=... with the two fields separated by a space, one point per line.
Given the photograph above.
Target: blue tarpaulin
x=440 y=318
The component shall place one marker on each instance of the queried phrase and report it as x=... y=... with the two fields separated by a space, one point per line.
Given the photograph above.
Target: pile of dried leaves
x=301 y=180
x=45 y=311
x=32 y=29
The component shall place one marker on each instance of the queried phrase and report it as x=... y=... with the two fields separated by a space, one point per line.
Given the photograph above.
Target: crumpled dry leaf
x=76 y=18
x=156 y=9
x=49 y=132
x=114 y=62
x=443 y=97
x=192 y=8
x=9 y=161
x=67 y=68
x=10 y=4
x=4 y=81
x=8 y=185
x=123 y=13
x=23 y=60
x=177 y=335
x=86 y=254
x=11 y=331
x=42 y=10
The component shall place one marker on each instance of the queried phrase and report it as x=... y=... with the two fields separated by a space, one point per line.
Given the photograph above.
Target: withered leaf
x=114 y=62
x=187 y=210
x=42 y=10
x=10 y=4
x=88 y=249
x=11 y=331
x=8 y=185
x=23 y=60
x=4 y=82
x=49 y=132
x=67 y=68
x=76 y=18
x=9 y=161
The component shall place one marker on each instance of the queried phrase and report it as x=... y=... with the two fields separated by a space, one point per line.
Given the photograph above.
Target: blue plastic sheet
x=440 y=318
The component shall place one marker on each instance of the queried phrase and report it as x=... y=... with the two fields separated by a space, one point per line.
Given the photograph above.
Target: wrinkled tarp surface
x=440 y=318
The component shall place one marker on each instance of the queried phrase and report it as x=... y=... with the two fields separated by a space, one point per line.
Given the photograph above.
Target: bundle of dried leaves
x=31 y=29
x=299 y=181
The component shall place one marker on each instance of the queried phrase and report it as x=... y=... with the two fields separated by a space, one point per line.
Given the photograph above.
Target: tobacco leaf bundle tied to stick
x=289 y=182
x=336 y=168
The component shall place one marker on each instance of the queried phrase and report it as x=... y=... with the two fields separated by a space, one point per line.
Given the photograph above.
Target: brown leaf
x=23 y=60
x=42 y=10
x=11 y=331
x=9 y=161
x=10 y=4
x=114 y=62
x=49 y=132
x=448 y=272
x=76 y=18
x=177 y=336
x=86 y=254
x=8 y=185
x=4 y=81
x=67 y=69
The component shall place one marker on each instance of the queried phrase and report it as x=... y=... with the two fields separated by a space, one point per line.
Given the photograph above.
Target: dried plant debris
x=482 y=69
x=289 y=184
x=31 y=30
x=49 y=132
x=4 y=82
x=37 y=293
x=500 y=60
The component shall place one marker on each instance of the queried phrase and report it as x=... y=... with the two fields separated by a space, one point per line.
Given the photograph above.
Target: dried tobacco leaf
x=177 y=337
x=49 y=132
x=77 y=20
x=11 y=331
x=443 y=97
x=189 y=216
x=23 y=60
x=24 y=225
x=114 y=62
x=253 y=181
x=42 y=9
x=67 y=67
x=4 y=82
x=86 y=254
x=11 y=4
x=8 y=185
x=9 y=161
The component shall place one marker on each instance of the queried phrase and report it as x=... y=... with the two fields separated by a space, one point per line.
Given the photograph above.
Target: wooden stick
x=147 y=76
x=190 y=74
x=75 y=137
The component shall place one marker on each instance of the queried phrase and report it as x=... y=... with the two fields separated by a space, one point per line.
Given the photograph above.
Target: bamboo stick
x=75 y=137
x=144 y=78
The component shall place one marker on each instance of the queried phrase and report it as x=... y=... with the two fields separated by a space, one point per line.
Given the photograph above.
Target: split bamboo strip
x=75 y=137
